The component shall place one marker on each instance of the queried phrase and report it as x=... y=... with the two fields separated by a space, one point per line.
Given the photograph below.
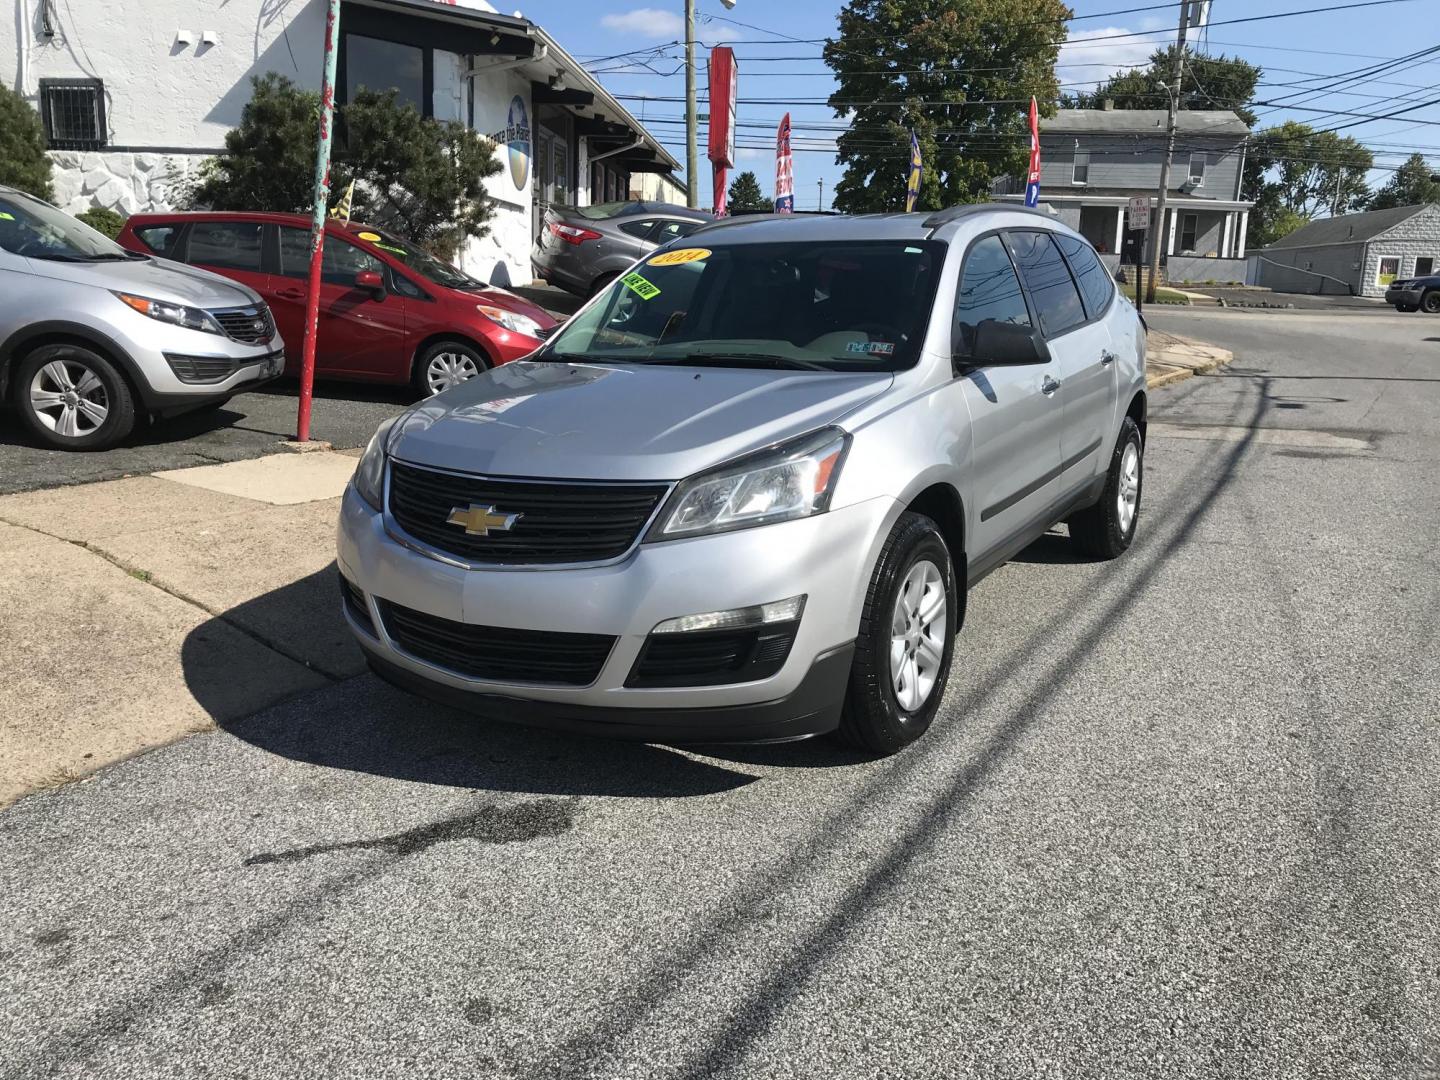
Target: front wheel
x=1430 y=302
x=446 y=364
x=1405 y=307
x=906 y=639
x=73 y=398
x=1105 y=530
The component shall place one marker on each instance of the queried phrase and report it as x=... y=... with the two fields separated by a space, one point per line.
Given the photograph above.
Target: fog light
x=778 y=611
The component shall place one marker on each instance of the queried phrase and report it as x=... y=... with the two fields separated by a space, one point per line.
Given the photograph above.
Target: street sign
x=1140 y=212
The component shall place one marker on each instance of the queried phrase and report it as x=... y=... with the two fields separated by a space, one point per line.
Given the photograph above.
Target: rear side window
x=339 y=264
x=161 y=239
x=671 y=230
x=1057 y=300
x=230 y=245
x=1095 y=282
x=989 y=290
x=638 y=229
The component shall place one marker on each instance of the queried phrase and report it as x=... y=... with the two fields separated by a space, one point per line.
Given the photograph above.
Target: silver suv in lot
x=93 y=336
x=742 y=494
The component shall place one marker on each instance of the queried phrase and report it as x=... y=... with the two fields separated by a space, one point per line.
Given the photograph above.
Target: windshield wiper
x=108 y=256
x=760 y=360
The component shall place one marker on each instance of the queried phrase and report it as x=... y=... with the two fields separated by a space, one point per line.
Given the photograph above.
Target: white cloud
x=655 y=23
x=751 y=153
x=1094 y=63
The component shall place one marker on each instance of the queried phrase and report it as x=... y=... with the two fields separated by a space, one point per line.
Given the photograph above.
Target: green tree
x=1313 y=171
x=1279 y=224
x=1411 y=184
x=23 y=161
x=960 y=73
x=422 y=178
x=745 y=196
x=101 y=220
x=1210 y=82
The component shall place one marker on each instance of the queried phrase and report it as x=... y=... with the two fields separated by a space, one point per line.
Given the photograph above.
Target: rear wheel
x=906 y=639
x=602 y=282
x=1430 y=302
x=1105 y=530
x=446 y=364
x=72 y=398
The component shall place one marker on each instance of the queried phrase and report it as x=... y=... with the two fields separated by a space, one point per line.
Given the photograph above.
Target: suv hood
x=157 y=279
x=605 y=422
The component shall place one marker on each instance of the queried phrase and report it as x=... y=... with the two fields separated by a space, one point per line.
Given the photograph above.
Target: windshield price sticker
x=873 y=348
x=640 y=287
x=6 y=217
x=683 y=255
x=370 y=236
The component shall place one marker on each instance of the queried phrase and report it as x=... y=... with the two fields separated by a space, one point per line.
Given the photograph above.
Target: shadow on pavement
x=361 y=724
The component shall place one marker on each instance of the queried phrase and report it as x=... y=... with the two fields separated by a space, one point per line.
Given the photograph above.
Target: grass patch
x=1162 y=295
x=141 y=575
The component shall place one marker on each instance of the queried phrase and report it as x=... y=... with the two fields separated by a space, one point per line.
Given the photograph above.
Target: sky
x=779 y=57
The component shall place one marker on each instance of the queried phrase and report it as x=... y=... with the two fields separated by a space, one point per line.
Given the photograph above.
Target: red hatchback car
x=389 y=311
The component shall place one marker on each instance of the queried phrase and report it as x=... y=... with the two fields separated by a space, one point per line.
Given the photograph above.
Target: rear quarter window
x=161 y=239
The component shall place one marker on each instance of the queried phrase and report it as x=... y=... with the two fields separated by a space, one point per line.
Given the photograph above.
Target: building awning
x=474 y=31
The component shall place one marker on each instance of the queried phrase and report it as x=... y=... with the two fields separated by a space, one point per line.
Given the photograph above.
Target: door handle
x=291 y=294
x=1107 y=358
x=1049 y=386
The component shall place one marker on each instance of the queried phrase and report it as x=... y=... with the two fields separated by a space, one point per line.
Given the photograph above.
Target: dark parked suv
x=1415 y=294
x=581 y=249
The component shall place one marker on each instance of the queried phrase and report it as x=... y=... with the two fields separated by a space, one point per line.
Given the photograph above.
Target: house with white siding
x=135 y=96
x=1094 y=161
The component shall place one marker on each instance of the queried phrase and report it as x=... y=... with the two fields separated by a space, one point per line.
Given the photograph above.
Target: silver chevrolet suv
x=742 y=494
x=93 y=336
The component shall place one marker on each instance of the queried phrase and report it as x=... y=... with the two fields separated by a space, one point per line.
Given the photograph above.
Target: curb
x=1174 y=359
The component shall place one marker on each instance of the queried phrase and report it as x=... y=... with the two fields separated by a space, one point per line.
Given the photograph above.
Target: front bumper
x=1407 y=297
x=827 y=557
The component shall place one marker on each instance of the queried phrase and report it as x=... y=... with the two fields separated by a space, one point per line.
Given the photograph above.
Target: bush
x=101 y=220
x=422 y=178
x=23 y=161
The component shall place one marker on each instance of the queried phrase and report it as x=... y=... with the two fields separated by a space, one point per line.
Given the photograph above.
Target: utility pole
x=820 y=195
x=1339 y=183
x=1162 y=233
x=692 y=155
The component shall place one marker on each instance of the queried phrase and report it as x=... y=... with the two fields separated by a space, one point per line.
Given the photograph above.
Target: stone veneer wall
x=122 y=181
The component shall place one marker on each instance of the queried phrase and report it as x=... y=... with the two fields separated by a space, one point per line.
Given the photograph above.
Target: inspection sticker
x=644 y=289
x=874 y=348
x=682 y=255
x=370 y=236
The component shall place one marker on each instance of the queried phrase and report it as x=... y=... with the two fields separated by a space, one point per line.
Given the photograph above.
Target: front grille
x=201 y=370
x=713 y=657
x=543 y=332
x=247 y=324
x=495 y=652
x=354 y=601
x=556 y=523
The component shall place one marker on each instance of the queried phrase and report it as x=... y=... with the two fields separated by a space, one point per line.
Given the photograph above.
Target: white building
x=135 y=95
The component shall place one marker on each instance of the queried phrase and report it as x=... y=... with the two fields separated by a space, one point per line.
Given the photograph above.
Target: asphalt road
x=1180 y=818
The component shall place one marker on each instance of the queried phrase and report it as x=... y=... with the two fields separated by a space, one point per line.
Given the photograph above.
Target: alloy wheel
x=917 y=635
x=1127 y=497
x=449 y=369
x=69 y=398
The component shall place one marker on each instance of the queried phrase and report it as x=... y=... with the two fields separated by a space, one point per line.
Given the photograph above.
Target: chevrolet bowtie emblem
x=480 y=520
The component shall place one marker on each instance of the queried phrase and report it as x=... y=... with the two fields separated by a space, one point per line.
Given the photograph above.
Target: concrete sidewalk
x=135 y=611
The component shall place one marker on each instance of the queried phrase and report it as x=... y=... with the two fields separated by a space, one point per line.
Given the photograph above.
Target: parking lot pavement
x=248 y=426
x=1178 y=818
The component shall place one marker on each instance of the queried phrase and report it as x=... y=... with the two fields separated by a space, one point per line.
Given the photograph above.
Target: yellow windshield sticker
x=6 y=217
x=372 y=237
x=681 y=255
x=640 y=287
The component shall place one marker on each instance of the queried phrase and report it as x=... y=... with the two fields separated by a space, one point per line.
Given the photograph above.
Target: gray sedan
x=582 y=249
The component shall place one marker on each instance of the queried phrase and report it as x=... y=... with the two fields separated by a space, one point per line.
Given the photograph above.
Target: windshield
x=421 y=261
x=37 y=230
x=851 y=306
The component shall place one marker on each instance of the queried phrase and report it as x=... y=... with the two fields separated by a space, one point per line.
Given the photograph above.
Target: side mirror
x=1003 y=344
x=371 y=282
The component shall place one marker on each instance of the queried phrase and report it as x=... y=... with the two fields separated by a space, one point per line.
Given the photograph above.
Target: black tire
x=600 y=283
x=420 y=377
x=1430 y=302
x=1405 y=307
x=873 y=719
x=1099 y=530
x=108 y=391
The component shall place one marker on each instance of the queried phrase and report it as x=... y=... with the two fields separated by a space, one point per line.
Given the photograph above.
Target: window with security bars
x=73 y=111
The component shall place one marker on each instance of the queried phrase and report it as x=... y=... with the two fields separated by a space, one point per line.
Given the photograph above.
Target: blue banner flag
x=912 y=182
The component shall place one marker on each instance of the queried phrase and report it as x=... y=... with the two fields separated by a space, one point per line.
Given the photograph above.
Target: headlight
x=369 y=479
x=793 y=480
x=511 y=320
x=178 y=314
